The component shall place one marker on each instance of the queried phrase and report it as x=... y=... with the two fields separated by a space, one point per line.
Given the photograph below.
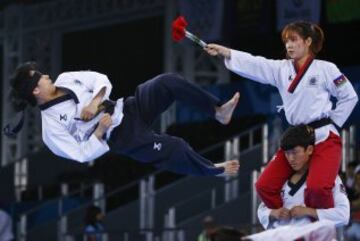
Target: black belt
x=320 y=123
x=107 y=106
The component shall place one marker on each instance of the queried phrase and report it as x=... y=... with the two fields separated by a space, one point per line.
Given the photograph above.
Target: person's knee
x=261 y=186
x=179 y=144
x=168 y=77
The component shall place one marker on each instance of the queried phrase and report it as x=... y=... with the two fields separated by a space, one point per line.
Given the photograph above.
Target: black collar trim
x=294 y=187
x=70 y=95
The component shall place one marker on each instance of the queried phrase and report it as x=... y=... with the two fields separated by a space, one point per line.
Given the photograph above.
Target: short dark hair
x=301 y=135
x=209 y=222
x=90 y=215
x=19 y=95
x=226 y=233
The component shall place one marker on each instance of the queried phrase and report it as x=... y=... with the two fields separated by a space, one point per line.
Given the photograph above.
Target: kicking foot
x=231 y=167
x=224 y=113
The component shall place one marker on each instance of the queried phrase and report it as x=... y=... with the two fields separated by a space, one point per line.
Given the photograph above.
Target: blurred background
x=49 y=198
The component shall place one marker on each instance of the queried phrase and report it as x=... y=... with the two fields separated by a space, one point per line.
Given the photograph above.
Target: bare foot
x=231 y=167
x=224 y=113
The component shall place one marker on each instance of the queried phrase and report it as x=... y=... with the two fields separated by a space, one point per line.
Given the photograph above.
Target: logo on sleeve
x=157 y=146
x=339 y=81
x=63 y=117
x=77 y=82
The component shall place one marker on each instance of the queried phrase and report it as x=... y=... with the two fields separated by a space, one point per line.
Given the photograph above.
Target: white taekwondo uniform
x=293 y=195
x=62 y=131
x=130 y=133
x=310 y=101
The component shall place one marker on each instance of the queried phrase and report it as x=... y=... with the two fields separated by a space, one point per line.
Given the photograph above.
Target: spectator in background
x=350 y=176
x=6 y=233
x=94 y=229
x=353 y=232
x=209 y=226
x=226 y=234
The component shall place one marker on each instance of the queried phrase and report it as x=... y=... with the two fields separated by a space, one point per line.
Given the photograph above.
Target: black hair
x=90 y=215
x=352 y=164
x=22 y=84
x=209 y=222
x=301 y=135
x=226 y=233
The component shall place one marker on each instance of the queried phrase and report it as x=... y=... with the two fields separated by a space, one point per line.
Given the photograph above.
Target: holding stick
x=179 y=32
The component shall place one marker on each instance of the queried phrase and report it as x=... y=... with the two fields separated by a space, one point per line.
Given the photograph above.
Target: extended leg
x=174 y=154
x=272 y=180
x=156 y=95
x=324 y=166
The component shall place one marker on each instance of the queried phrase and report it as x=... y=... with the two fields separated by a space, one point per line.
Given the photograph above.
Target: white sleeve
x=62 y=143
x=340 y=213
x=264 y=215
x=94 y=81
x=341 y=88
x=257 y=68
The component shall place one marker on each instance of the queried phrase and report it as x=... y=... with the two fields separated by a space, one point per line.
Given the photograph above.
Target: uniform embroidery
x=78 y=82
x=157 y=146
x=313 y=81
x=63 y=117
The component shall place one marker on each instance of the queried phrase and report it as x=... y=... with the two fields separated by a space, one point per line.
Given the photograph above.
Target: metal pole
x=254 y=201
x=213 y=198
x=235 y=181
x=151 y=201
x=352 y=143
x=172 y=224
x=126 y=236
x=21 y=230
x=344 y=138
x=265 y=143
x=62 y=223
x=99 y=196
x=227 y=188
x=40 y=193
x=165 y=234
x=62 y=228
x=150 y=209
x=142 y=194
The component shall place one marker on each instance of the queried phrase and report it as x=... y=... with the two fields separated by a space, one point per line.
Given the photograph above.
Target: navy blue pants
x=135 y=138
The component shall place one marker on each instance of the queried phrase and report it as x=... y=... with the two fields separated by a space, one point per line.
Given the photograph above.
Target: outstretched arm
x=256 y=68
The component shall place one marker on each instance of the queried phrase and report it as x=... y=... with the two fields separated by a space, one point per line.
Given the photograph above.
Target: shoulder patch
x=340 y=80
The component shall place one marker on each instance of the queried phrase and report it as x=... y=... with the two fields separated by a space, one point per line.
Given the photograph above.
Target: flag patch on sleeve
x=340 y=80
